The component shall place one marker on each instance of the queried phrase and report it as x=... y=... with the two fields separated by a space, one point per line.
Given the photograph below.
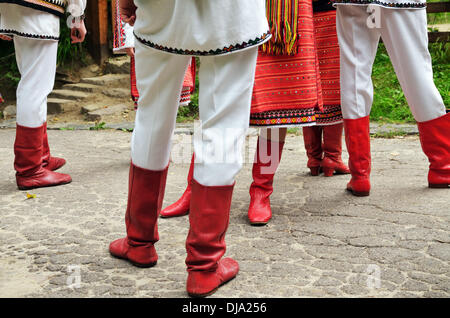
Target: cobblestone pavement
x=321 y=242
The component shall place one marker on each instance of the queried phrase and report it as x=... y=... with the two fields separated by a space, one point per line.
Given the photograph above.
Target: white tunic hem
x=29 y=35
x=218 y=51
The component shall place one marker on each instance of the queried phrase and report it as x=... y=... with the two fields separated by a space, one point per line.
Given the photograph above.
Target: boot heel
x=360 y=193
x=438 y=186
x=328 y=172
x=315 y=171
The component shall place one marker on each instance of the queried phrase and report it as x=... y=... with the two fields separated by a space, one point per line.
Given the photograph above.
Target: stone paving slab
x=322 y=242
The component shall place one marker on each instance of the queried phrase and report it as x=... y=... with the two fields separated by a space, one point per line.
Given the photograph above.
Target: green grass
x=390 y=134
x=98 y=126
x=190 y=113
x=389 y=101
x=438 y=18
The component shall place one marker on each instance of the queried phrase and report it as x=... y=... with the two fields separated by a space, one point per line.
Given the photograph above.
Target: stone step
x=117 y=92
x=98 y=114
x=91 y=107
x=83 y=87
x=9 y=112
x=118 y=65
x=68 y=94
x=113 y=80
x=57 y=105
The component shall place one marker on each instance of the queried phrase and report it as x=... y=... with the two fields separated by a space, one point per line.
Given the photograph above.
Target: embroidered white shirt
x=23 y=21
x=201 y=27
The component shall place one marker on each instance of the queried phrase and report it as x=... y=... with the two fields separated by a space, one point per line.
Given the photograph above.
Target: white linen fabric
x=226 y=84
x=36 y=60
x=27 y=22
x=201 y=27
x=20 y=20
x=405 y=36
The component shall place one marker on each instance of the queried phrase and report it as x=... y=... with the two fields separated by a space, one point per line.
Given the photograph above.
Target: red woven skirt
x=303 y=89
x=287 y=88
x=328 y=54
x=186 y=91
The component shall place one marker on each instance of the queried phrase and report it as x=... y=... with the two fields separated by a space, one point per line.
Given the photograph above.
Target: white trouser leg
x=159 y=78
x=358 y=46
x=226 y=85
x=405 y=35
x=36 y=60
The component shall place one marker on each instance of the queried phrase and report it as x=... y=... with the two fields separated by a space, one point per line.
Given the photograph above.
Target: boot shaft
x=45 y=146
x=332 y=141
x=435 y=142
x=267 y=159
x=145 y=198
x=357 y=138
x=208 y=218
x=312 y=137
x=28 y=149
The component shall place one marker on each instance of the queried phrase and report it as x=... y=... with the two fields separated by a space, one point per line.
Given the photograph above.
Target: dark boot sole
x=258 y=223
x=358 y=193
x=211 y=292
x=46 y=186
x=438 y=186
x=134 y=263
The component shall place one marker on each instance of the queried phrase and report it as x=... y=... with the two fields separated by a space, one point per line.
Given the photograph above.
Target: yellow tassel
x=282 y=16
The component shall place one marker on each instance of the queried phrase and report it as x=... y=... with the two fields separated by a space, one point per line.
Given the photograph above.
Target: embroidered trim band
x=384 y=4
x=27 y=35
x=329 y=116
x=224 y=50
x=56 y=7
x=286 y=117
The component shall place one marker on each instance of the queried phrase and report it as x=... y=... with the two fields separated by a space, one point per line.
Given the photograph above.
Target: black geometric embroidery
x=58 y=3
x=224 y=50
x=384 y=4
x=27 y=35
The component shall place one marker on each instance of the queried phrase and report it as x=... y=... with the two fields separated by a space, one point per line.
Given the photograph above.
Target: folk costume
x=402 y=24
x=225 y=36
x=296 y=84
x=323 y=141
x=124 y=38
x=34 y=26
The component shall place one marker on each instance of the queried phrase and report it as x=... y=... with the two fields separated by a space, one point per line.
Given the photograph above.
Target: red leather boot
x=259 y=211
x=49 y=162
x=181 y=206
x=30 y=173
x=312 y=137
x=357 y=138
x=435 y=141
x=205 y=244
x=332 y=150
x=145 y=197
